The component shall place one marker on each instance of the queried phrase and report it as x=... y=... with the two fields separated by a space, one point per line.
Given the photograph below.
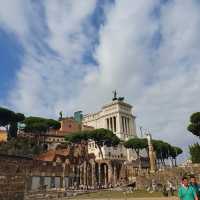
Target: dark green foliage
x=162 y=149
x=13 y=130
x=40 y=125
x=166 y=151
x=78 y=137
x=137 y=144
x=194 y=126
x=195 y=153
x=20 y=147
x=100 y=136
x=175 y=151
x=104 y=137
x=8 y=117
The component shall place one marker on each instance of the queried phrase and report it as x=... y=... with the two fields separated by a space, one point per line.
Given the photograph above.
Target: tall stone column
x=63 y=176
x=93 y=175
x=105 y=176
x=115 y=175
x=110 y=175
x=99 y=174
x=85 y=174
x=152 y=158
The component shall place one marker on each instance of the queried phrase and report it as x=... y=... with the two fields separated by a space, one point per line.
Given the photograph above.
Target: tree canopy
x=7 y=116
x=10 y=118
x=166 y=151
x=39 y=124
x=99 y=136
x=194 y=125
x=195 y=152
x=137 y=144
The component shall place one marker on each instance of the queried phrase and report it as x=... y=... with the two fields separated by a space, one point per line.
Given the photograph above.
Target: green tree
x=18 y=117
x=40 y=125
x=174 y=152
x=162 y=151
x=101 y=137
x=137 y=144
x=6 y=116
x=195 y=152
x=9 y=119
x=194 y=125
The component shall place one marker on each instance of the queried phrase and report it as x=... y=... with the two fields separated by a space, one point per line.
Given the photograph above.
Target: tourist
x=195 y=185
x=186 y=192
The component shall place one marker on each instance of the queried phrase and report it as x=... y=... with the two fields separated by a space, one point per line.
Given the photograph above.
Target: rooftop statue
x=115 y=95
x=117 y=98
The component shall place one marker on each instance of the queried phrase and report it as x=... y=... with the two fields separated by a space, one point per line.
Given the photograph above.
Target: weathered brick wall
x=15 y=173
x=172 y=175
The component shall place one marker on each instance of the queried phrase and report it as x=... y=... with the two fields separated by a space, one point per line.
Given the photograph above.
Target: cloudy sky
x=71 y=54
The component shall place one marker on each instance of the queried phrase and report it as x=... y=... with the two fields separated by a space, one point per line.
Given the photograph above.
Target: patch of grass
x=118 y=195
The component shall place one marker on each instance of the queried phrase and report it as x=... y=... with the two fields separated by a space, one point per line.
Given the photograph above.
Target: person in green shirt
x=195 y=185
x=186 y=192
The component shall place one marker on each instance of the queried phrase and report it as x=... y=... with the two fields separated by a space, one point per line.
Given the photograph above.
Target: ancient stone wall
x=161 y=178
x=17 y=172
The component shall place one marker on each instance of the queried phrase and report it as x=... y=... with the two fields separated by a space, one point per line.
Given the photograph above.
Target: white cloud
x=161 y=82
x=13 y=16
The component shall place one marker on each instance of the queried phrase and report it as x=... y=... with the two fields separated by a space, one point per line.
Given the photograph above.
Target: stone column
x=93 y=175
x=110 y=175
x=115 y=175
x=63 y=176
x=105 y=175
x=78 y=176
x=99 y=174
x=81 y=175
x=152 y=157
x=85 y=174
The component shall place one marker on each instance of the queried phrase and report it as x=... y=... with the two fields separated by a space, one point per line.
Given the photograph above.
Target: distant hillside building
x=3 y=136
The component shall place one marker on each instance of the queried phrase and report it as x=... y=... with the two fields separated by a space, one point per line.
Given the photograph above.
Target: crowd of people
x=189 y=189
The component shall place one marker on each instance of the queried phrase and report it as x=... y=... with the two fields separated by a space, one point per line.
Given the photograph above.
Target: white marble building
x=118 y=117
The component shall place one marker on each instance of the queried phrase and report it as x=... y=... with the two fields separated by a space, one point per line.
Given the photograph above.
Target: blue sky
x=70 y=55
x=11 y=54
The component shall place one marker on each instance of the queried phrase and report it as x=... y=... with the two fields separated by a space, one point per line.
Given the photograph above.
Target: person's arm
x=195 y=194
x=180 y=194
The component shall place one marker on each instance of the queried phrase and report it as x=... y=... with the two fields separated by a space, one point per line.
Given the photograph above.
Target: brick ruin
x=69 y=169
